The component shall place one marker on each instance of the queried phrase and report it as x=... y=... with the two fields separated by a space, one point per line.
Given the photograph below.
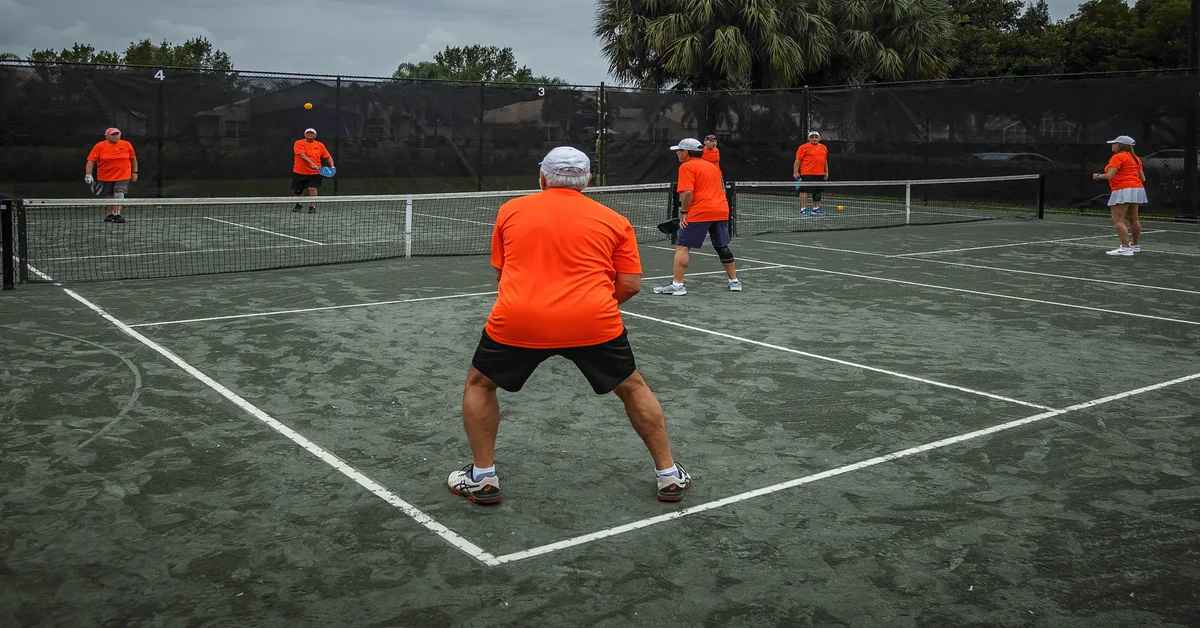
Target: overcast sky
x=365 y=37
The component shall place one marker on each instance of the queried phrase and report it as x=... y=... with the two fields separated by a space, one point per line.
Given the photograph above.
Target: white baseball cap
x=566 y=161
x=310 y=130
x=1122 y=139
x=814 y=134
x=688 y=143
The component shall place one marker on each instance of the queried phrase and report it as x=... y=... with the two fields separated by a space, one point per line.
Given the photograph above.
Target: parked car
x=1015 y=159
x=1170 y=160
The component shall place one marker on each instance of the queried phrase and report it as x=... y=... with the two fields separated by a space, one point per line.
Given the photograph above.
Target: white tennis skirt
x=1128 y=195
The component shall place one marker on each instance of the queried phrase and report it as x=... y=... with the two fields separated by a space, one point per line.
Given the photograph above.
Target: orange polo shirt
x=315 y=151
x=1129 y=171
x=558 y=253
x=813 y=158
x=703 y=180
x=114 y=160
x=712 y=155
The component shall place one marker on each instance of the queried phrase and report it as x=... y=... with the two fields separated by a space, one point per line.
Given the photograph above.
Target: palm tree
x=734 y=44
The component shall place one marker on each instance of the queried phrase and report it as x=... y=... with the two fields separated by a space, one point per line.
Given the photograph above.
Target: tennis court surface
x=986 y=423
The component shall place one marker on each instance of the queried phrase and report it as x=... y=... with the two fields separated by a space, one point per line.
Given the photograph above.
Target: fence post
x=160 y=129
x=1191 y=170
x=479 y=148
x=601 y=138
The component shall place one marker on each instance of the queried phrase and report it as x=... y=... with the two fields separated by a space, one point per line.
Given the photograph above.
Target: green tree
x=1098 y=37
x=726 y=44
x=1004 y=38
x=78 y=53
x=473 y=63
x=197 y=52
x=1160 y=39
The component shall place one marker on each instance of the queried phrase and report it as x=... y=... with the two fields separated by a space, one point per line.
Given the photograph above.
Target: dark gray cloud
x=367 y=37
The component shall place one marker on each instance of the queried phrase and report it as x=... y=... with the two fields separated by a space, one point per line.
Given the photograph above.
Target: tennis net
x=776 y=206
x=68 y=240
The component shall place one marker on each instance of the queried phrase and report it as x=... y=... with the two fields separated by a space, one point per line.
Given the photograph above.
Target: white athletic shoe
x=485 y=490
x=1123 y=251
x=672 y=487
x=1136 y=248
x=735 y=285
x=672 y=289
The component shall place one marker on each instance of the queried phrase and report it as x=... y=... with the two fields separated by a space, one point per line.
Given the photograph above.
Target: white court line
x=429 y=523
x=816 y=477
x=996 y=268
x=474 y=222
x=1144 y=249
x=310 y=309
x=393 y=302
x=274 y=233
x=1000 y=246
x=824 y=358
x=952 y=289
x=244 y=248
x=1109 y=226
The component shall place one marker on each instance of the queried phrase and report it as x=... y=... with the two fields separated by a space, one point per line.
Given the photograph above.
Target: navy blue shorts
x=692 y=236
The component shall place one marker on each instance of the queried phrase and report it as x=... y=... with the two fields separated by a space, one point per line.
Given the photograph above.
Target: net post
x=1041 y=196
x=908 y=203
x=408 y=217
x=731 y=198
x=22 y=244
x=6 y=243
x=672 y=209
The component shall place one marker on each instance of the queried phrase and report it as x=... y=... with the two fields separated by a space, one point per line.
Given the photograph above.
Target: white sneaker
x=672 y=289
x=1122 y=250
x=485 y=490
x=672 y=487
x=735 y=285
x=1136 y=248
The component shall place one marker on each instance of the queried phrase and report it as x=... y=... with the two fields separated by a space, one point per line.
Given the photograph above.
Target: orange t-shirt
x=703 y=180
x=712 y=155
x=813 y=158
x=315 y=151
x=558 y=253
x=1129 y=171
x=114 y=160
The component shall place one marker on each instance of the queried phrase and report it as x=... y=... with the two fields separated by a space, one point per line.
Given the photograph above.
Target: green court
x=990 y=423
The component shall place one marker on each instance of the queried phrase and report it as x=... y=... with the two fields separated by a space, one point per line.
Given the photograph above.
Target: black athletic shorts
x=815 y=190
x=605 y=365
x=301 y=182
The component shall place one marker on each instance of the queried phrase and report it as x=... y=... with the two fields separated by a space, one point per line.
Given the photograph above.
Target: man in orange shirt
x=811 y=164
x=703 y=211
x=564 y=263
x=307 y=157
x=712 y=154
x=116 y=165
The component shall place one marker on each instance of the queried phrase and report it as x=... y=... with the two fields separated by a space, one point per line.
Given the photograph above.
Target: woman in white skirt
x=1127 y=182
